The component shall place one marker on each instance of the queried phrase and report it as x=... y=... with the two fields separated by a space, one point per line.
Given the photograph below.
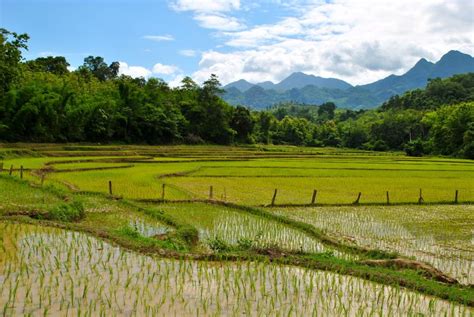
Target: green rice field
x=93 y=230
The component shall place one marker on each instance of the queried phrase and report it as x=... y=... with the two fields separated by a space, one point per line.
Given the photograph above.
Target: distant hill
x=242 y=85
x=310 y=89
x=296 y=80
x=300 y=80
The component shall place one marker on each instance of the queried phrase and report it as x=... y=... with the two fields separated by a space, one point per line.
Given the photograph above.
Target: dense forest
x=42 y=101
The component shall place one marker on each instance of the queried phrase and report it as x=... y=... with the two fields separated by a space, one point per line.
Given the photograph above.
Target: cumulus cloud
x=134 y=71
x=165 y=69
x=212 y=14
x=219 y=22
x=356 y=40
x=176 y=81
x=206 y=5
x=159 y=38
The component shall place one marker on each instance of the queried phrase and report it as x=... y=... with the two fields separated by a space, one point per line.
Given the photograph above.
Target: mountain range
x=310 y=89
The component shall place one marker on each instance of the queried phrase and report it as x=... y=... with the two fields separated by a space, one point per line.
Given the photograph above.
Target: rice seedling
x=59 y=272
x=140 y=181
x=249 y=175
x=439 y=235
x=231 y=227
x=50 y=272
x=16 y=195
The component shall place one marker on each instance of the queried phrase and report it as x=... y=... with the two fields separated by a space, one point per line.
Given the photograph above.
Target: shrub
x=189 y=234
x=66 y=212
x=218 y=245
x=414 y=148
x=245 y=243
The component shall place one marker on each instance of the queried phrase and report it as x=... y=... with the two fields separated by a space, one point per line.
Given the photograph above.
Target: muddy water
x=54 y=272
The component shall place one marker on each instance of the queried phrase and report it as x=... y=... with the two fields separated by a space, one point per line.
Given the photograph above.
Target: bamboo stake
x=420 y=199
x=274 y=197
x=313 y=199
x=358 y=199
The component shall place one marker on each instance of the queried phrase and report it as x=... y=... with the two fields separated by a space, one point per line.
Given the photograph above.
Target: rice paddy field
x=92 y=230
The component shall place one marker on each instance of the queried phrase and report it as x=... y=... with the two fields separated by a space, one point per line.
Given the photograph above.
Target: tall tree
x=242 y=122
x=56 y=65
x=97 y=66
x=11 y=45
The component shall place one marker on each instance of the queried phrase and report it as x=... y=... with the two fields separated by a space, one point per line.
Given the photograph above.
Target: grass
x=19 y=196
x=45 y=279
x=439 y=235
x=252 y=182
x=139 y=181
x=219 y=223
x=225 y=251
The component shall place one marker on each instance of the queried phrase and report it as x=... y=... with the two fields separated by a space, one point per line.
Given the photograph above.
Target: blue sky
x=356 y=40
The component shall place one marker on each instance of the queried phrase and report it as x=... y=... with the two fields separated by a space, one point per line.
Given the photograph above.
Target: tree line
x=41 y=100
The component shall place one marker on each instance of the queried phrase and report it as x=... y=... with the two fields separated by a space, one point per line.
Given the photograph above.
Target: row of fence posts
x=211 y=190
x=357 y=201
x=10 y=172
x=313 y=197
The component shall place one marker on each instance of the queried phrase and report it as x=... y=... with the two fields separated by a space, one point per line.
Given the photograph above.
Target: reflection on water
x=49 y=271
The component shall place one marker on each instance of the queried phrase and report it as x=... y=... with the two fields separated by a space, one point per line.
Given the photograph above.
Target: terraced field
x=186 y=230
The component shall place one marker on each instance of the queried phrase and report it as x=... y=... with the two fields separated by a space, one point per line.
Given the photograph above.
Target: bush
x=245 y=243
x=128 y=232
x=66 y=212
x=379 y=145
x=189 y=234
x=414 y=148
x=218 y=245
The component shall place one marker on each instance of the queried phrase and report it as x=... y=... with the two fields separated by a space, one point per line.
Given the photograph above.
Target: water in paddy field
x=50 y=271
x=412 y=231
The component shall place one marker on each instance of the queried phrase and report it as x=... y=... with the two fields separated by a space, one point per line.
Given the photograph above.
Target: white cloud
x=187 y=53
x=157 y=69
x=210 y=13
x=219 y=22
x=356 y=40
x=176 y=81
x=165 y=69
x=206 y=5
x=159 y=38
x=134 y=71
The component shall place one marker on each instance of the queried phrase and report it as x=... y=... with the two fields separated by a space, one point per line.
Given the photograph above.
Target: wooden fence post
x=11 y=170
x=358 y=199
x=456 y=197
x=1 y=167
x=163 y=192
x=313 y=199
x=420 y=199
x=274 y=197
x=21 y=171
x=211 y=194
x=42 y=179
x=388 y=198
x=110 y=188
